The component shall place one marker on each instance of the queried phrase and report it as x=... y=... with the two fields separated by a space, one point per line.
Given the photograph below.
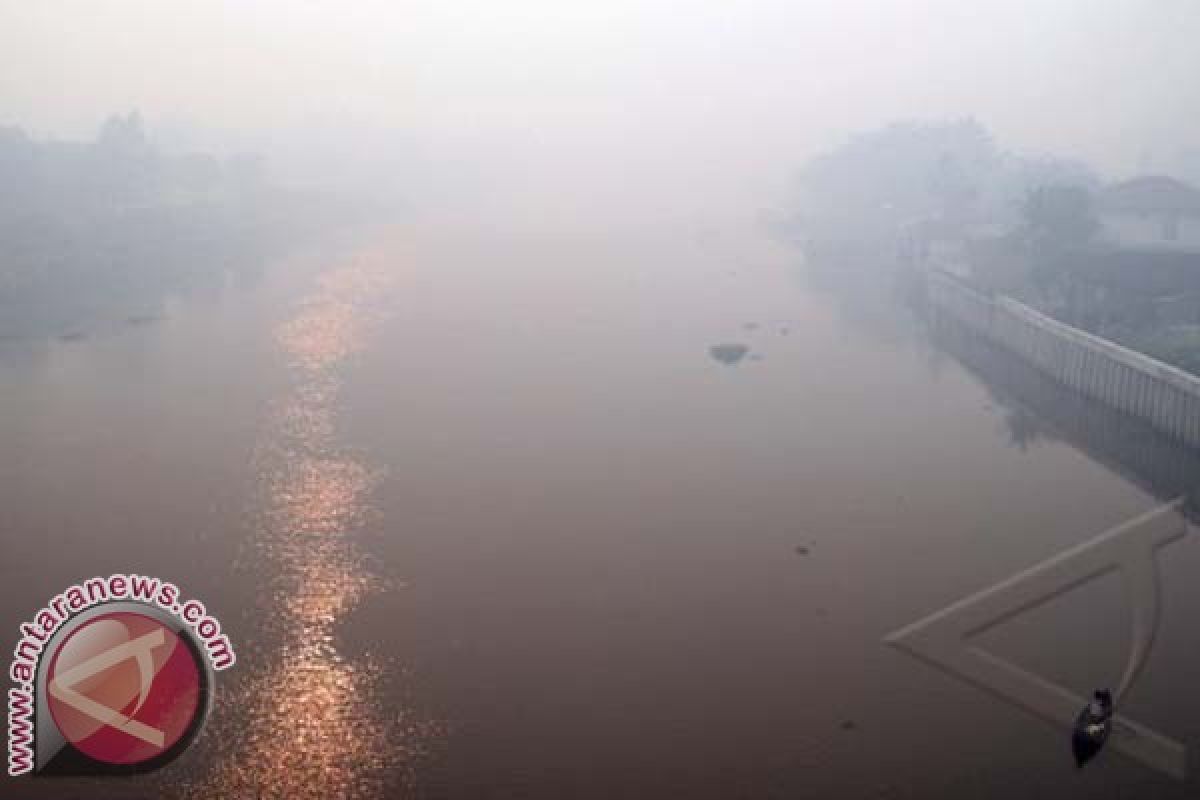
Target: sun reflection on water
x=312 y=723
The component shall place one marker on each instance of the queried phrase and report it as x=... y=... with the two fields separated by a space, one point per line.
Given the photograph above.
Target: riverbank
x=1165 y=397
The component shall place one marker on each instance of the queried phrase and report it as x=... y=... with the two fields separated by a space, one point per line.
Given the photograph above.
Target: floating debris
x=802 y=550
x=728 y=353
x=143 y=319
x=849 y=725
x=72 y=336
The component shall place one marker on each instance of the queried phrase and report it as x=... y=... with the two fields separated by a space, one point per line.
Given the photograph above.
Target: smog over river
x=600 y=400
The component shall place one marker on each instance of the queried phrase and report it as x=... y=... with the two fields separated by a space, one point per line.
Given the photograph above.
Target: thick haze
x=711 y=93
x=560 y=399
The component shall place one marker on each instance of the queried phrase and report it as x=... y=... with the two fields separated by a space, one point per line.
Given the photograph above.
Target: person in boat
x=1100 y=709
x=1092 y=727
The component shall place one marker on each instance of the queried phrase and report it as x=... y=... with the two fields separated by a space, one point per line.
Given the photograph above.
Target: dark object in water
x=1092 y=727
x=729 y=352
x=801 y=550
x=72 y=336
x=143 y=319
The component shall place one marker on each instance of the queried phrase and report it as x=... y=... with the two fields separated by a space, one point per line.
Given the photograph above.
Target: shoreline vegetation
x=1118 y=260
x=101 y=233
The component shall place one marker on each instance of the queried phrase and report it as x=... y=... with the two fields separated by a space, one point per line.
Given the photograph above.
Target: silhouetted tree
x=1058 y=218
x=881 y=180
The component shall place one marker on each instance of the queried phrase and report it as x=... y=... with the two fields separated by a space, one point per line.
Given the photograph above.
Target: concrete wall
x=1161 y=395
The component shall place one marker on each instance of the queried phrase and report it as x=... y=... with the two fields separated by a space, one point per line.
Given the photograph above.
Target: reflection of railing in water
x=1041 y=405
x=1166 y=398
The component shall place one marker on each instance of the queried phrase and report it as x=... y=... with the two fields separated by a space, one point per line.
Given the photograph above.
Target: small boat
x=1092 y=727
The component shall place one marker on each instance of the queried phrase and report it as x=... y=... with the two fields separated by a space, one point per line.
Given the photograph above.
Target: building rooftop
x=1151 y=194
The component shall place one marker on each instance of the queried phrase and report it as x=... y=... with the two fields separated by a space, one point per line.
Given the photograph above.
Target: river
x=483 y=518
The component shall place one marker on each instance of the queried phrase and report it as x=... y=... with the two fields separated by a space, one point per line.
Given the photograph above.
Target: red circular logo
x=123 y=688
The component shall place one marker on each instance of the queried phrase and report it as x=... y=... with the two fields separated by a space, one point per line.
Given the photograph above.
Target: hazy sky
x=740 y=85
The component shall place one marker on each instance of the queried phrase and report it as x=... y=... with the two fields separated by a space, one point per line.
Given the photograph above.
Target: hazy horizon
x=575 y=400
x=739 y=94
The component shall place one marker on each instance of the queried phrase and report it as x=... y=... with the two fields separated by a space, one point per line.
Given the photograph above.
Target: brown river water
x=483 y=518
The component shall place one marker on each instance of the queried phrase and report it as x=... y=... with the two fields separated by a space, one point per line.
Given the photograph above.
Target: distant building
x=1141 y=277
x=1151 y=212
x=939 y=243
